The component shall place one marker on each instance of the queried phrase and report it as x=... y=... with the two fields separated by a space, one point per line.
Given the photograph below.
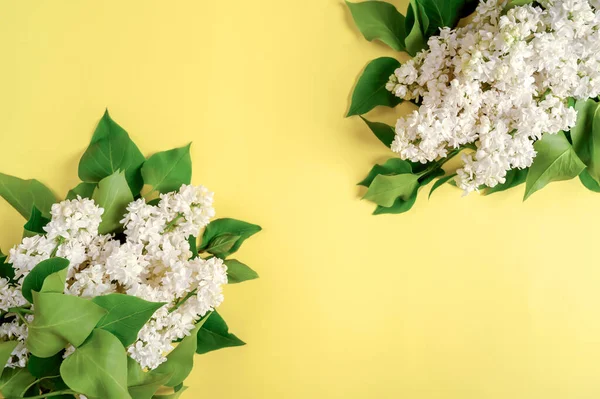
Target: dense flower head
x=499 y=83
x=153 y=262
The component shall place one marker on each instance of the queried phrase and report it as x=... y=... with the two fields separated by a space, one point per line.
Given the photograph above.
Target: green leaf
x=84 y=190
x=41 y=367
x=180 y=361
x=586 y=136
x=193 y=241
x=35 y=279
x=444 y=13
x=125 y=316
x=6 y=349
x=23 y=195
x=14 y=381
x=514 y=178
x=221 y=245
x=113 y=194
x=385 y=133
x=393 y=166
x=35 y=224
x=516 y=3
x=6 y=269
x=59 y=320
x=440 y=182
x=228 y=227
x=166 y=171
x=589 y=182
x=378 y=20
x=555 y=160
x=416 y=24
x=110 y=151
x=385 y=189
x=401 y=205
x=238 y=272
x=98 y=368
x=214 y=335
x=370 y=90
x=174 y=395
x=140 y=384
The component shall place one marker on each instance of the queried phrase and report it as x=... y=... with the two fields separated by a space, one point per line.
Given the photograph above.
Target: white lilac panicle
x=153 y=263
x=499 y=83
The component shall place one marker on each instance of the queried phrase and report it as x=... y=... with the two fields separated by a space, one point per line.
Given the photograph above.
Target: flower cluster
x=152 y=261
x=499 y=83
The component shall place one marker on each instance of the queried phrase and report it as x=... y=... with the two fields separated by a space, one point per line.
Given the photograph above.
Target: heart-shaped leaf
x=84 y=190
x=238 y=272
x=370 y=89
x=227 y=228
x=378 y=20
x=168 y=170
x=214 y=335
x=393 y=166
x=112 y=194
x=35 y=279
x=23 y=195
x=385 y=189
x=385 y=133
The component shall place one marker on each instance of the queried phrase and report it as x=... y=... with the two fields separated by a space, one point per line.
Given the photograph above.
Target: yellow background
x=466 y=298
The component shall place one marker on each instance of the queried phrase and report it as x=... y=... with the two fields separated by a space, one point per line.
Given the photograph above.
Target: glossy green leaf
x=6 y=349
x=112 y=194
x=193 y=241
x=238 y=272
x=180 y=361
x=589 y=182
x=125 y=316
x=393 y=166
x=444 y=13
x=378 y=20
x=221 y=246
x=23 y=195
x=440 y=182
x=416 y=24
x=215 y=334
x=59 y=320
x=13 y=382
x=35 y=279
x=174 y=395
x=385 y=133
x=84 y=190
x=228 y=227
x=140 y=384
x=370 y=90
x=514 y=178
x=586 y=136
x=110 y=151
x=35 y=224
x=166 y=171
x=6 y=269
x=41 y=367
x=385 y=189
x=555 y=160
x=98 y=368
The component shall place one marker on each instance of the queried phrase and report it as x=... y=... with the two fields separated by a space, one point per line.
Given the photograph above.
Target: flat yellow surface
x=466 y=298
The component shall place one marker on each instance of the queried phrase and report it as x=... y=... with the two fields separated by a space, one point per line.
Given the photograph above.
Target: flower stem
x=57 y=393
x=35 y=382
x=178 y=304
x=170 y=225
x=61 y=239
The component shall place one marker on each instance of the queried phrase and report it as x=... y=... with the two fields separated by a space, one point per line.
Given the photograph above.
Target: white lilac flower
x=153 y=263
x=498 y=83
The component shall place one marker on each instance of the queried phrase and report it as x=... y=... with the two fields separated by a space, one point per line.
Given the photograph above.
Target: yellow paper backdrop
x=466 y=298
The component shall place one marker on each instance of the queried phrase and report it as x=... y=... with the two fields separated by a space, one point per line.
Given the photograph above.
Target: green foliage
x=444 y=13
x=41 y=367
x=35 y=224
x=168 y=170
x=98 y=368
x=556 y=160
x=214 y=335
x=35 y=279
x=393 y=166
x=142 y=385
x=378 y=20
x=181 y=360
x=586 y=136
x=6 y=269
x=514 y=178
x=112 y=194
x=385 y=133
x=14 y=382
x=23 y=195
x=125 y=316
x=111 y=151
x=589 y=182
x=370 y=89
x=59 y=320
x=6 y=349
x=174 y=395
x=84 y=190
x=218 y=237
x=193 y=241
x=385 y=189
x=238 y=272
x=440 y=182
x=416 y=25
